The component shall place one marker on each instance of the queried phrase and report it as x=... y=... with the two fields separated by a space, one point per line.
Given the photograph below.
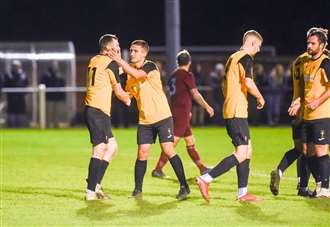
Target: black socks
x=178 y=169
x=102 y=168
x=223 y=166
x=288 y=158
x=243 y=170
x=94 y=165
x=140 y=170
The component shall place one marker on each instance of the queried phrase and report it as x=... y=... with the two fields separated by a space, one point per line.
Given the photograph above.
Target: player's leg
x=243 y=172
x=243 y=168
x=110 y=150
x=321 y=139
x=93 y=168
x=240 y=154
x=158 y=171
x=288 y=158
x=145 y=137
x=177 y=166
x=312 y=161
x=95 y=121
x=180 y=123
x=192 y=151
x=140 y=168
x=166 y=139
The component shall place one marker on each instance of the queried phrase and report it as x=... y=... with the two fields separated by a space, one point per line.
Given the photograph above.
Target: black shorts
x=316 y=131
x=238 y=130
x=98 y=124
x=147 y=134
x=296 y=131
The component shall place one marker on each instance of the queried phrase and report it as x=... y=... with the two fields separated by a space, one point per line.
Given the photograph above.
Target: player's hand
x=128 y=102
x=313 y=104
x=260 y=102
x=127 y=99
x=121 y=71
x=210 y=111
x=115 y=55
x=294 y=107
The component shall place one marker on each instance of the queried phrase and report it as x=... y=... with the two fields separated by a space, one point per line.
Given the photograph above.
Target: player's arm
x=254 y=91
x=113 y=71
x=296 y=104
x=201 y=101
x=121 y=94
x=247 y=64
x=136 y=73
x=325 y=66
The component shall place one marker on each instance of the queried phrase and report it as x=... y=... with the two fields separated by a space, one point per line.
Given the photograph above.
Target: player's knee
x=110 y=151
x=98 y=151
x=143 y=154
x=242 y=153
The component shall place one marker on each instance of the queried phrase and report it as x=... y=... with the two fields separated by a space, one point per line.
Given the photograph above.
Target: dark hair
x=105 y=39
x=142 y=43
x=321 y=33
x=183 y=58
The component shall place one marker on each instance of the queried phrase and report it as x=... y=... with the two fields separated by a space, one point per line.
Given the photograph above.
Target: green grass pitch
x=43 y=181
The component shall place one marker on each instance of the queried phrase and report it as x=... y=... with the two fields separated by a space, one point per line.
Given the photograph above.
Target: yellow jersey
x=102 y=77
x=149 y=94
x=238 y=67
x=316 y=78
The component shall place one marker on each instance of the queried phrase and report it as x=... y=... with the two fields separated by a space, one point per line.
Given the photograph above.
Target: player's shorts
x=238 y=130
x=147 y=134
x=98 y=124
x=181 y=119
x=296 y=131
x=316 y=131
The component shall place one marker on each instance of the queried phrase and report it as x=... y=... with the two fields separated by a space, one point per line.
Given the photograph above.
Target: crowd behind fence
x=272 y=76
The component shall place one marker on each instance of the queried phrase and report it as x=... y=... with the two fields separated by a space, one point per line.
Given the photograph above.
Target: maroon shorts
x=181 y=123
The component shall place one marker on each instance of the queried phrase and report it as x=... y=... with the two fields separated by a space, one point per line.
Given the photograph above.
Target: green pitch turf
x=43 y=181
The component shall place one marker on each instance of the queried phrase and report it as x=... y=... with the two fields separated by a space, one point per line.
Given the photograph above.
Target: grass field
x=43 y=182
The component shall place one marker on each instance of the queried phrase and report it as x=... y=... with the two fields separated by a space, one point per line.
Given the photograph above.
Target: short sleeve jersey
x=180 y=84
x=149 y=94
x=102 y=77
x=238 y=67
x=316 y=81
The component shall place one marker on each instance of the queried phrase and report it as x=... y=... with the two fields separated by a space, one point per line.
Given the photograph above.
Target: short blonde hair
x=252 y=33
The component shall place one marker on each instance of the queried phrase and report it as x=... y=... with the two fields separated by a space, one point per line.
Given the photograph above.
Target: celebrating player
x=102 y=79
x=155 y=118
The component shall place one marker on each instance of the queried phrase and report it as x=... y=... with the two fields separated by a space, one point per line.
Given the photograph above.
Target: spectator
x=198 y=113
x=287 y=93
x=55 y=105
x=277 y=75
x=216 y=83
x=264 y=82
x=16 y=106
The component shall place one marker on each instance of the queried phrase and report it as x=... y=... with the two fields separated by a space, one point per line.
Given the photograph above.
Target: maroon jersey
x=180 y=84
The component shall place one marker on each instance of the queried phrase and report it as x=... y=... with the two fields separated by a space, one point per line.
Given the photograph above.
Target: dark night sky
x=214 y=22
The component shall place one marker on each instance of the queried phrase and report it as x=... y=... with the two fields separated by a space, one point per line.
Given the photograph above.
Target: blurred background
x=50 y=43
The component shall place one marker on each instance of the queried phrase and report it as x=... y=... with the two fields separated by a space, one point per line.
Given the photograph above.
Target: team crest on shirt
x=321 y=135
